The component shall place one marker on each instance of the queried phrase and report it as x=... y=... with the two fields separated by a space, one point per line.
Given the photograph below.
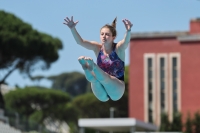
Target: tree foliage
x=176 y=124
x=73 y=83
x=126 y=77
x=24 y=48
x=196 y=122
x=191 y=125
x=188 y=124
x=90 y=107
x=165 y=123
x=39 y=104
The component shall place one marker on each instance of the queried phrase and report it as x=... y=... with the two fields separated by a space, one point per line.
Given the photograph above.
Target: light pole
x=112 y=115
x=112 y=112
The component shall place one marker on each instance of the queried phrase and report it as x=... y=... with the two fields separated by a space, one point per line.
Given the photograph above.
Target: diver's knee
x=116 y=97
x=103 y=98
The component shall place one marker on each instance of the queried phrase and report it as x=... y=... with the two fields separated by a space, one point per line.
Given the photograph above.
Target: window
x=150 y=97
x=162 y=84
x=149 y=88
x=174 y=83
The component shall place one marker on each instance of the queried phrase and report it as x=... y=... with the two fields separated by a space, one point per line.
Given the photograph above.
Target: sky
x=48 y=16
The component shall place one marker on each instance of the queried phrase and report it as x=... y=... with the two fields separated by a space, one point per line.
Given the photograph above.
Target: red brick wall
x=194 y=26
x=190 y=73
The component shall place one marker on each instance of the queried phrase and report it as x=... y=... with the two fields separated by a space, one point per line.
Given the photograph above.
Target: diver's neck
x=108 y=48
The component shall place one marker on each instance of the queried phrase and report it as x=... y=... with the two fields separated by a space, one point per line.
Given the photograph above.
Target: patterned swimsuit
x=112 y=65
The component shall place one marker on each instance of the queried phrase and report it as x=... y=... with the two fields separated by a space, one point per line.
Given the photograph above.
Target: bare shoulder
x=96 y=44
x=97 y=48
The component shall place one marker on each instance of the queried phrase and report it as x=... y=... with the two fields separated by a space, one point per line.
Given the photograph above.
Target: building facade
x=164 y=73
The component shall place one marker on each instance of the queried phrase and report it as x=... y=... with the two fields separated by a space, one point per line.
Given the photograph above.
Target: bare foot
x=90 y=63
x=83 y=62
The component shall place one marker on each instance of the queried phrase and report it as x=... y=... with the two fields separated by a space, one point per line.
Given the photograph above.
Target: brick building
x=164 y=73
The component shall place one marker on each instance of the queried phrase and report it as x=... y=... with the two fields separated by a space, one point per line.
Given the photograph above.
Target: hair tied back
x=114 y=23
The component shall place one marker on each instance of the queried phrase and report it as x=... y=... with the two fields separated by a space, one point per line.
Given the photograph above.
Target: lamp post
x=112 y=112
x=112 y=115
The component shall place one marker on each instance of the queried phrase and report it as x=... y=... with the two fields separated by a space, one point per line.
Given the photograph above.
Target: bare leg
x=96 y=86
x=113 y=86
x=99 y=91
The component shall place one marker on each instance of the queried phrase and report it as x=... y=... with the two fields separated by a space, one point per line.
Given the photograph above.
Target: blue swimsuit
x=112 y=65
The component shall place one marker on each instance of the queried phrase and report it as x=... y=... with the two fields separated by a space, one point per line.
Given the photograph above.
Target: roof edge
x=151 y=35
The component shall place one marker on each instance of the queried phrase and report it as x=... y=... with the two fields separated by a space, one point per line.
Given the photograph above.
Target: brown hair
x=112 y=27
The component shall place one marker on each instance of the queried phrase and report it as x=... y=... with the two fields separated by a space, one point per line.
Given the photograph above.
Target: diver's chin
x=103 y=41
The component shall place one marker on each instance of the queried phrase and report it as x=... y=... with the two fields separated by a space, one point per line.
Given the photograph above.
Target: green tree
x=24 y=48
x=40 y=104
x=37 y=78
x=176 y=124
x=188 y=124
x=73 y=83
x=126 y=78
x=165 y=124
x=196 y=122
x=90 y=107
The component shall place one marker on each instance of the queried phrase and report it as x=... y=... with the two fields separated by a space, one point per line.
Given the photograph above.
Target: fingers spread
x=68 y=19
x=127 y=22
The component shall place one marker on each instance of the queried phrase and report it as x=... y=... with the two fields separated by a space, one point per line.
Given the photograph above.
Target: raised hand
x=127 y=24
x=70 y=23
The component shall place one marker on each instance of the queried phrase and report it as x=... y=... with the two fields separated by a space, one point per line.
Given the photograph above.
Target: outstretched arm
x=123 y=44
x=91 y=45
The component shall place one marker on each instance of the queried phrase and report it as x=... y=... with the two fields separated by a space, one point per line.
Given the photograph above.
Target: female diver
x=107 y=76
